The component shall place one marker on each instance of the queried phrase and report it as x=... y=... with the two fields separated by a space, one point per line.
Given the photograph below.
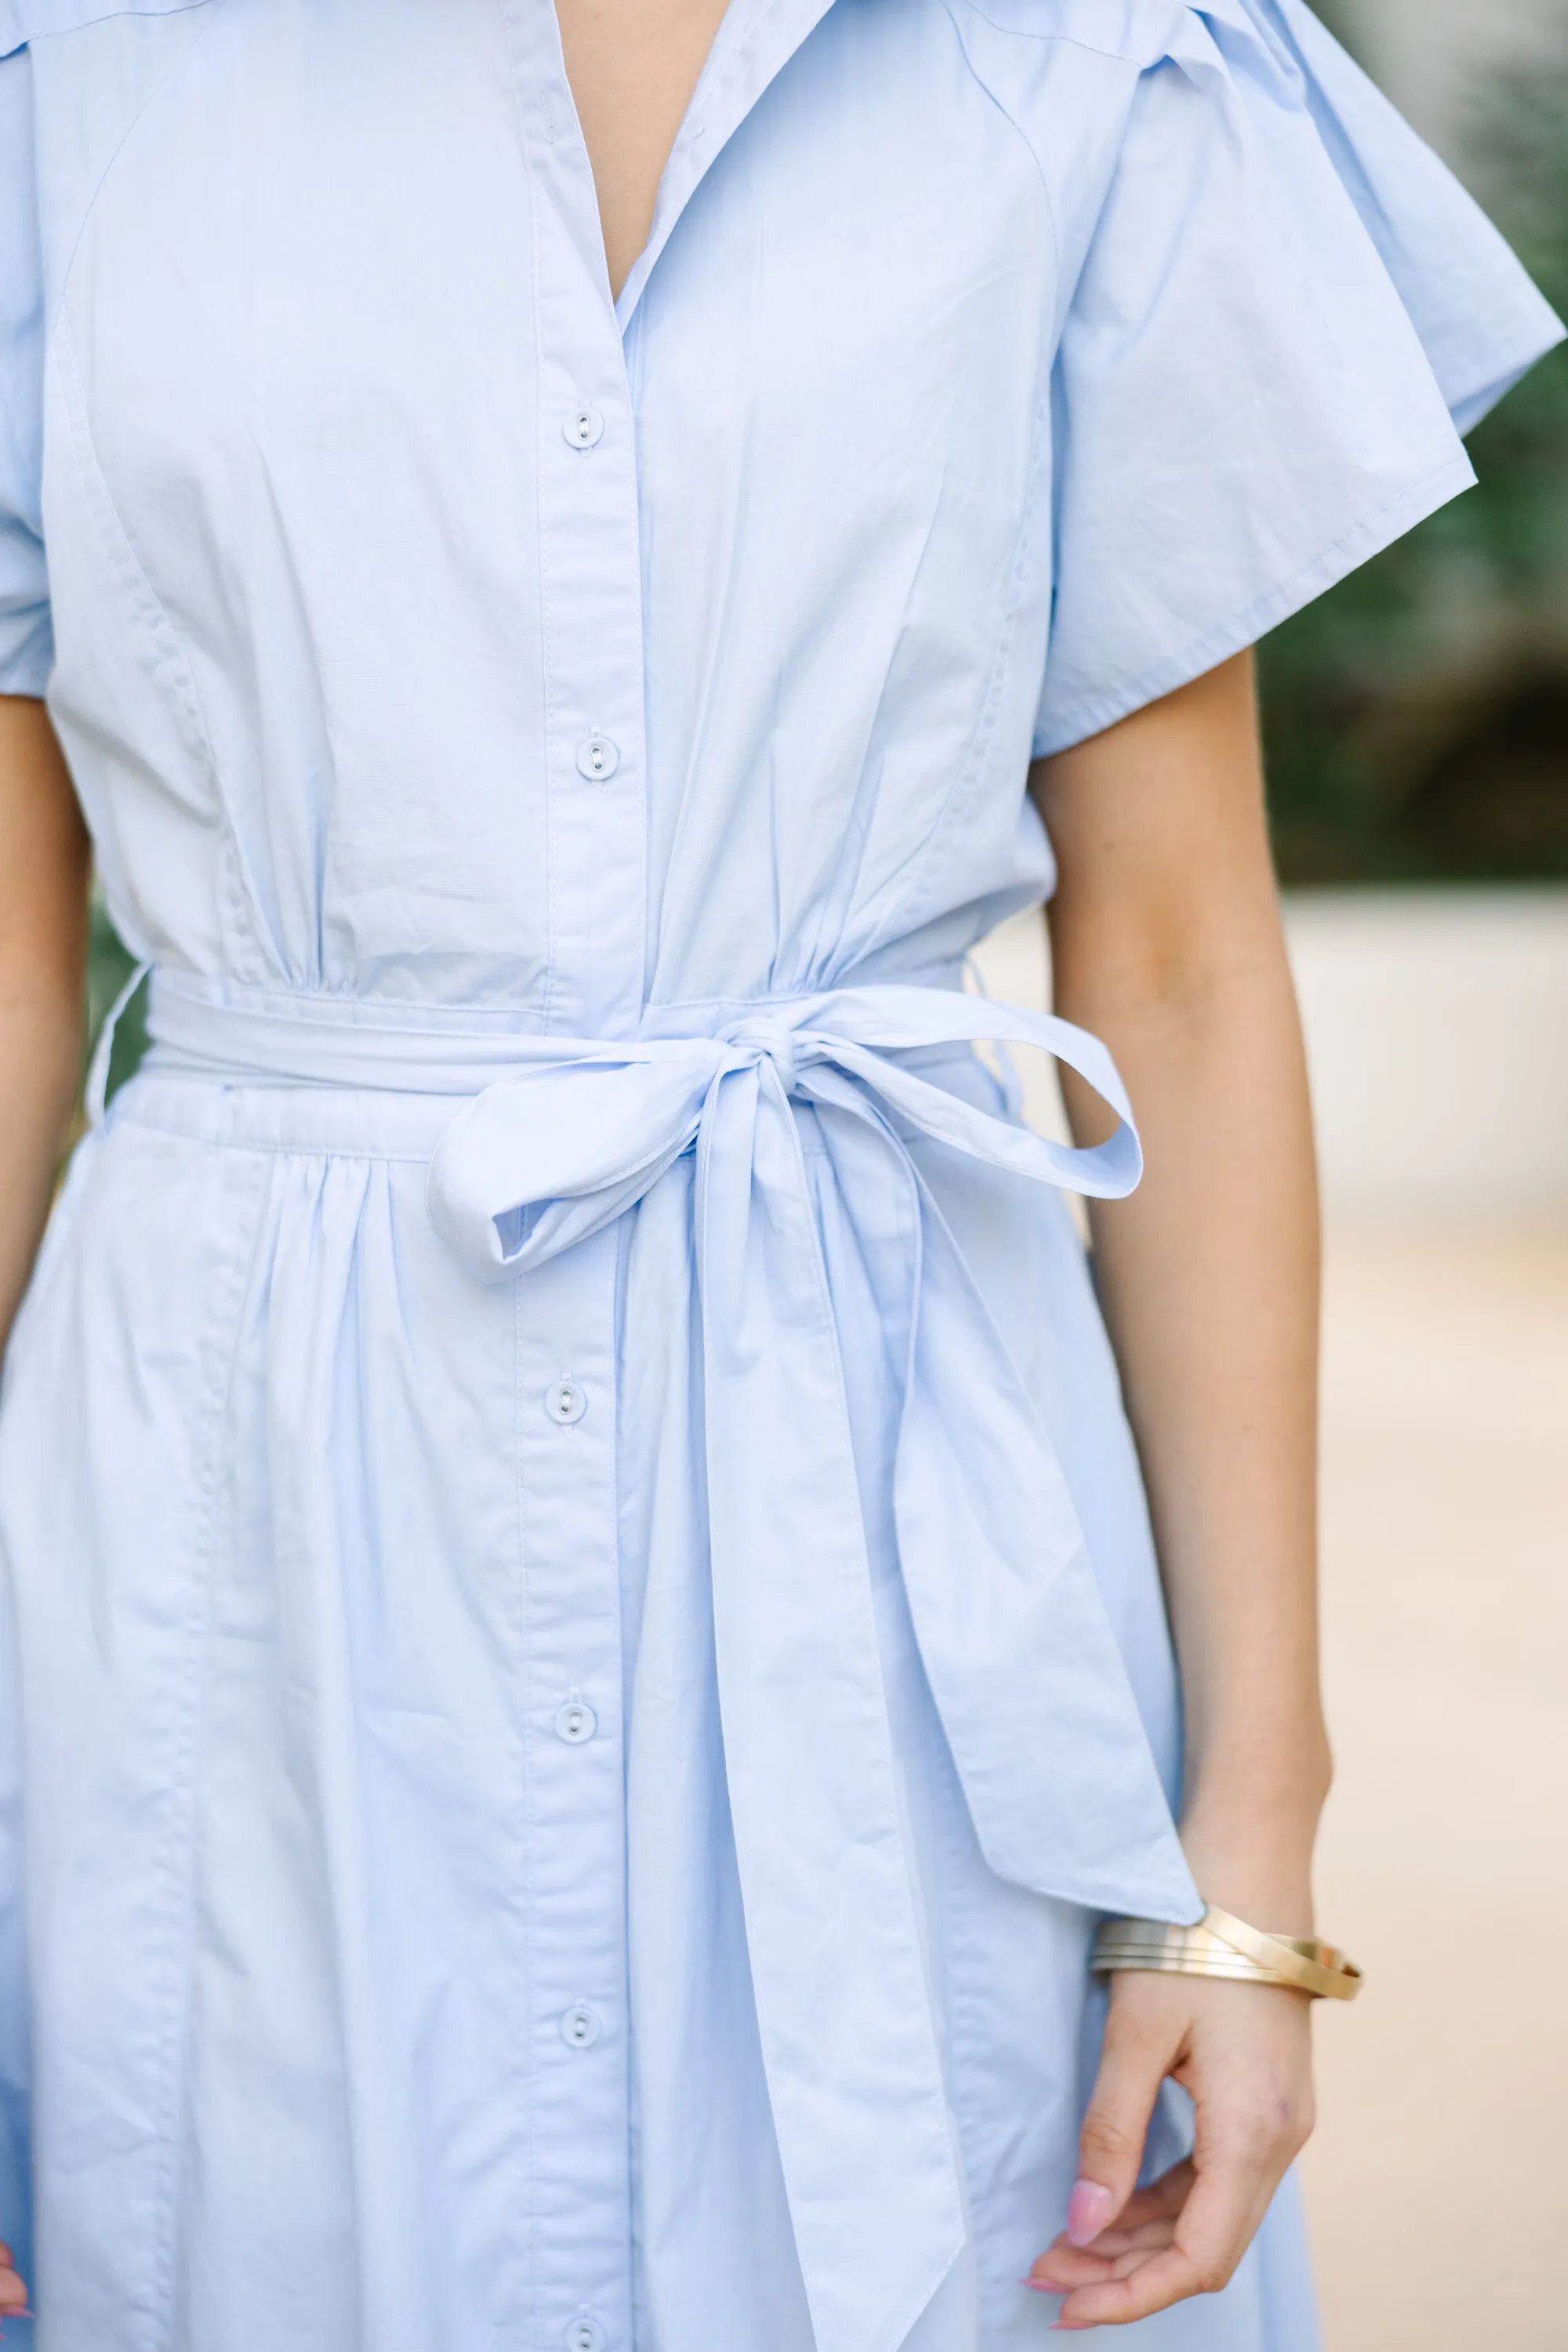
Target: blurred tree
x=1417 y=717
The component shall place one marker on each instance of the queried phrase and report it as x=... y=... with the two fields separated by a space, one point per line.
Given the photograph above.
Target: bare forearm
x=1167 y=943
x=40 y=1064
x=43 y=941
x=1209 y=1277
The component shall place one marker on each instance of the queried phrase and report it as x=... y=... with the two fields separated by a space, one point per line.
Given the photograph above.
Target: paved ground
x=1438 y=2181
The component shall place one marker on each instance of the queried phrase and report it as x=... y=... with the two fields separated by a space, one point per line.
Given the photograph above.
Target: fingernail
x=1044 y=2286
x=1089 y=2209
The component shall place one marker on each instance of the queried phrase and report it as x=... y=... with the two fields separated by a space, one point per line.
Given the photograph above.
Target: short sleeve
x=1288 y=311
x=26 y=643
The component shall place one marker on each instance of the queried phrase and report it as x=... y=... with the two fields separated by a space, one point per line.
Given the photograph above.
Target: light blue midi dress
x=581 y=1642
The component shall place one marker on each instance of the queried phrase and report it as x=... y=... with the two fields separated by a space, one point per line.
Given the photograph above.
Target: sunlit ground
x=1437 y=2182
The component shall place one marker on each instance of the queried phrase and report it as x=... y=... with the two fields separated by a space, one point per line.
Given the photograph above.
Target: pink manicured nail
x=1089 y=2209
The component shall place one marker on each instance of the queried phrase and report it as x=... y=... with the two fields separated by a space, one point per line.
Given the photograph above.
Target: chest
x=632 y=66
x=306 y=219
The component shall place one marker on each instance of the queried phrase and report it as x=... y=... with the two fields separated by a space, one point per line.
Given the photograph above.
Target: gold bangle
x=1223 y=1946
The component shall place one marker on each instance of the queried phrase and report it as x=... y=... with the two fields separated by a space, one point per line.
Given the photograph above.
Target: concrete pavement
x=1438 y=2179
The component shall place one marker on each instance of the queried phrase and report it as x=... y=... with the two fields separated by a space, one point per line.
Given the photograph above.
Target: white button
x=583 y=427
x=565 y=1401
x=580 y=2029
x=576 y=1722
x=585 y=2335
x=598 y=758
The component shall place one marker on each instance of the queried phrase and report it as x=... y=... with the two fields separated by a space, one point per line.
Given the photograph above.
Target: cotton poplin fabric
x=582 y=1646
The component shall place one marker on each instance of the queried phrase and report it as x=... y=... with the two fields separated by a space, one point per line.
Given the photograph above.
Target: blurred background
x=1417 y=722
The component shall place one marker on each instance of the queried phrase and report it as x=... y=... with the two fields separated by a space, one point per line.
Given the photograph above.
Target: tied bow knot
x=771 y=1039
x=1019 y=1655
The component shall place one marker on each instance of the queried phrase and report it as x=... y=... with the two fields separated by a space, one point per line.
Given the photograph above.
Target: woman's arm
x=1166 y=942
x=43 y=970
x=43 y=962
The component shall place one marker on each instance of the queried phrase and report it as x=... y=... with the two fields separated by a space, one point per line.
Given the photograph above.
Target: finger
x=1074 y=2273
x=1063 y=2267
x=1078 y=2264
x=1148 y=2220
x=1144 y=2239
x=1229 y=2195
x=1063 y=2259
x=1133 y=2065
x=1158 y=2201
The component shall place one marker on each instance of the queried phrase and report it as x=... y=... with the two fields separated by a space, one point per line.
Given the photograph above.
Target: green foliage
x=1417 y=717
x=109 y=968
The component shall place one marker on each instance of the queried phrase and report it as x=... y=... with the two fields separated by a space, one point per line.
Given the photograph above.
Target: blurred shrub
x=1417 y=717
x=108 y=969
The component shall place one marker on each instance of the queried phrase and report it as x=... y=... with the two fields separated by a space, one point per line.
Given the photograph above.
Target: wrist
x=1269 y=1891
x=1253 y=1856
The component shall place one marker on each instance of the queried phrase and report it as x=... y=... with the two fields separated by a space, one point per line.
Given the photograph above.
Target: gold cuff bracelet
x=1223 y=1946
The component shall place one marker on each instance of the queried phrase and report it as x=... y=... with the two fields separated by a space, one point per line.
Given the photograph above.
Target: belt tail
x=1039 y=1712
x=843 y=2006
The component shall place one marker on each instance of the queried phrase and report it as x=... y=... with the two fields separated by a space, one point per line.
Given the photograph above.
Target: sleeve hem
x=27 y=668
x=1468 y=408
x=1342 y=556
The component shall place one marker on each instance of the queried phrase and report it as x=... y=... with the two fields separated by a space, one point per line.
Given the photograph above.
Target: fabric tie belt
x=560 y=1136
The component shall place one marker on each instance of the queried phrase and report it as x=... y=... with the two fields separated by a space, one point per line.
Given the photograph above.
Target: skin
x=43 y=962
x=1166 y=942
x=633 y=66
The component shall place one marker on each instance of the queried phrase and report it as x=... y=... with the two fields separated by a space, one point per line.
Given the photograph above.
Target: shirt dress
x=581 y=1649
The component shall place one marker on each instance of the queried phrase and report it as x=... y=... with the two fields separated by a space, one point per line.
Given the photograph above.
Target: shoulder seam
x=1123 y=52
x=1008 y=117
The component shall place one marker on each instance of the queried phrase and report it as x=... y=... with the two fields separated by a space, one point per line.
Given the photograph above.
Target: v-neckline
x=604 y=158
x=754 y=40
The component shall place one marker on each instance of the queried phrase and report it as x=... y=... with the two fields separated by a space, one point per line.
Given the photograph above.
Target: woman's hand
x=1243 y=2052
x=13 y=2294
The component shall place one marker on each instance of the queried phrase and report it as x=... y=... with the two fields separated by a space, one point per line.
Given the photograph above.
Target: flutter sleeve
x=27 y=643
x=1287 y=312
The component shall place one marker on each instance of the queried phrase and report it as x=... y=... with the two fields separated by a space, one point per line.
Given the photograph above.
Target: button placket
x=593 y=641
x=576 y=2093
